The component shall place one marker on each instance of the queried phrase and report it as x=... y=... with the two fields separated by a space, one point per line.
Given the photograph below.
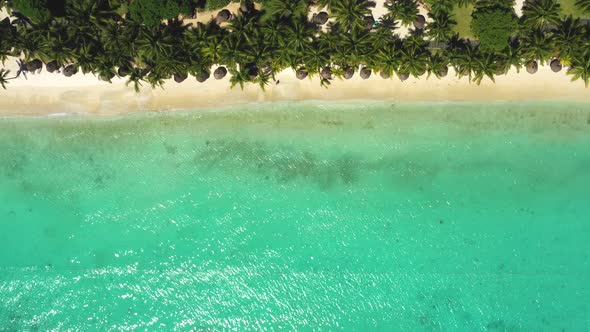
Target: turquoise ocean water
x=354 y=216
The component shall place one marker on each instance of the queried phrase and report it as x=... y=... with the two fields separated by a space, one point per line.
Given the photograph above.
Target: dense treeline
x=145 y=41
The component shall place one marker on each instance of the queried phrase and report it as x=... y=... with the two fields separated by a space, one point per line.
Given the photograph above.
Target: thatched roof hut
x=556 y=65
x=301 y=73
x=532 y=67
x=348 y=73
x=51 y=66
x=319 y=18
x=365 y=73
x=326 y=73
x=403 y=76
x=180 y=77
x=420 y=22
x=219 y=73
x=223 y=16
x=385 y=75
x=70 y=70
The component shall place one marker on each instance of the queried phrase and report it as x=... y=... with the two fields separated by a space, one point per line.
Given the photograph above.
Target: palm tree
x=136 y=75
x=284 y=10
x=580 y=68
x=356 y=48
x=463 y=58
x=442 y=6
x=239 y=77
x=263 y=79
x=350 y=14
x=583 y=5
x=441 y=27
x=404 y=10
x=536 y=45
x=414 y=61
x=381 y=37
x=316 y=57
x=297 y=42
x=510 y=57
x=4 y=77
x=438 y=64
x=568 y=37
x=484 y=65
x=539 y=14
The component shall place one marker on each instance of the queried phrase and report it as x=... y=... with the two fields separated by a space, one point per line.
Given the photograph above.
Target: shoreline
x=54 y=94
x=46 y=94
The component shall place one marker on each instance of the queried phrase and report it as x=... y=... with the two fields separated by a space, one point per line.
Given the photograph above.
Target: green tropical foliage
x=350 y=14
x=36 y=10
x=493 y=26
x=4 y=78
x=152 y=12
x=406 y=11
x=539 y=14
x=151 y=44
x=580 y=68
x=583 y=5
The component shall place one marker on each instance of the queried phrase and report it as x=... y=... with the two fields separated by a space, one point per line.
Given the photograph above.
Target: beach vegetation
x=493 y=26
x=406 y=11
x=541 y=14
x=216 y=4
x=35 y=10
x=576 y=8
x=4 y=78
x=580 y=68
x=147 y=42
x=152 y=12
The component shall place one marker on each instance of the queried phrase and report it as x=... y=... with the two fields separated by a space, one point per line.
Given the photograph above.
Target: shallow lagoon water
x=354 y=216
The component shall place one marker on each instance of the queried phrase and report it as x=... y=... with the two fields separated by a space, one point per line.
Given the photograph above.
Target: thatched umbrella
x=348 y=73
x=301 y=73
x=202 y=76
x=532 y=67
x=499 y=71
x=326 y=73
x=52 y=66
x=220 y=73
x=180 y=77
x=443 y=72
x=252 y=70
x=223 y=16
x=556 y=65
x=34 y=65
x=70 y=70
x=403 y=76
x=420 y=22
x=385 y=75
x=319 y=18
x=369 y=22
x=123 y=71
x=365 y=73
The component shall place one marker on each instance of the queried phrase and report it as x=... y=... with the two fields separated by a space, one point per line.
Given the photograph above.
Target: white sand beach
x=47 y=93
